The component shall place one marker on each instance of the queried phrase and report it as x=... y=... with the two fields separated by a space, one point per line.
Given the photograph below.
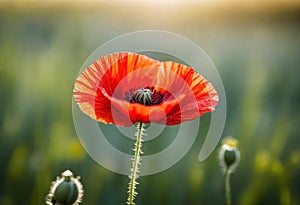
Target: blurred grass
x=256 y=50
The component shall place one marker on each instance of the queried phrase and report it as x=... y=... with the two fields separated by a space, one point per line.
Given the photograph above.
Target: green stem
x=227 y=187
x=136 y=161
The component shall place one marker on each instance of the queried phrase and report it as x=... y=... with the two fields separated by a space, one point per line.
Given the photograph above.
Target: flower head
x=65 y=190
x=125 y=88
x=229 y=155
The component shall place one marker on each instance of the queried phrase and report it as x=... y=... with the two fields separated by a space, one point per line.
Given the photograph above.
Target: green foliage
x=42 y=50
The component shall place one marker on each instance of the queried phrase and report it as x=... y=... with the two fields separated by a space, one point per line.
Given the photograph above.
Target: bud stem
x=136 y=161
x=227 y=186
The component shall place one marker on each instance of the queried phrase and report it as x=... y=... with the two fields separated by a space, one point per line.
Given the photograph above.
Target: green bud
x=65 y=190
x=229 y=155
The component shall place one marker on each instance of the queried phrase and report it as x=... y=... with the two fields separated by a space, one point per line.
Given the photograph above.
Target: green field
x=256 y=50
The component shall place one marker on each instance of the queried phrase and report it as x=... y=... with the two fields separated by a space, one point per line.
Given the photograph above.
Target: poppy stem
x=227 y=186
x=135 y=162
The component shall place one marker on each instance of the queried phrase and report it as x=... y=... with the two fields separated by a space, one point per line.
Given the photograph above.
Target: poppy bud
x=65 y=190
x=229 y=154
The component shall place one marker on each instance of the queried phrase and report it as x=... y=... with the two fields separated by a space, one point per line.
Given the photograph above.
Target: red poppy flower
x=125 y=88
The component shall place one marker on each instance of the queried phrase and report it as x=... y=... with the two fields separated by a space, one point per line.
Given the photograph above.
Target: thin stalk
x=227 y=186
x=136 y=161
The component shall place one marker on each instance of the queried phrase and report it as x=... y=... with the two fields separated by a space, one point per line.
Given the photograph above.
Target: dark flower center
x=143 y=96
x=146 y=96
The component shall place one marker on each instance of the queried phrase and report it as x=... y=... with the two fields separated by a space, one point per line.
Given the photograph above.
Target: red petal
x=100 y=90
x=104 y=75
x=201 y=97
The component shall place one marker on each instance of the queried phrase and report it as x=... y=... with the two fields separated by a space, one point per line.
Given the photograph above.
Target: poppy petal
x=106 y=73
x=201 y=97
x=101 y=90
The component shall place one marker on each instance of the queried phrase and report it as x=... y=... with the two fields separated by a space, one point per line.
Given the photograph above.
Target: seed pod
x=229 y=155
x=65 y=190
x=144 y=96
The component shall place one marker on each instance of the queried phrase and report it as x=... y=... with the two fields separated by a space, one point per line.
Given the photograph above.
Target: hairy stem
x=135 y=162
x=227 y=186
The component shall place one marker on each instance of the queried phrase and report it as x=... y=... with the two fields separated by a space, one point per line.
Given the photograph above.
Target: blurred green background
x=255 y=47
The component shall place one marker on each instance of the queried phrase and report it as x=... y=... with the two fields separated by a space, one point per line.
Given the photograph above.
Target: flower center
x=143 y=96
x=146 y=96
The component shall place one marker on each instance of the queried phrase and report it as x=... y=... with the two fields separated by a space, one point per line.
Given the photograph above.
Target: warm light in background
x=254 y=45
